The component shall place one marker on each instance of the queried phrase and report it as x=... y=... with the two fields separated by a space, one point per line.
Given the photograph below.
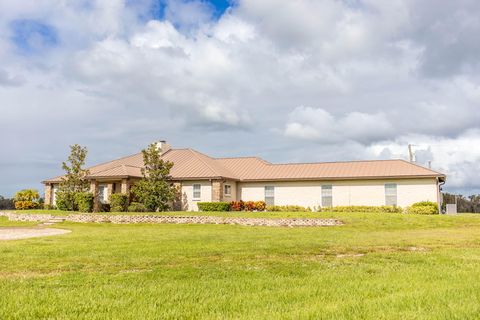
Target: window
x=102 y=193
x=197 y=191
x=391 y=194
x=327 y=198
x=270 y=195
x=227 y=190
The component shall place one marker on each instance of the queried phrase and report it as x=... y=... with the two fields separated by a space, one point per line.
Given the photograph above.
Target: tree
x=74 y=180
x=7 y=204
x=154 y=191
x=27 y=199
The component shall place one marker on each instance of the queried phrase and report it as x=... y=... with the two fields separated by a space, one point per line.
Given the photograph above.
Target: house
x=203 y=178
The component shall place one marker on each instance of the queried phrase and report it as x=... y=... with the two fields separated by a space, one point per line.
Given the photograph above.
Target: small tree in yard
x=74 y=181
x=154 y=191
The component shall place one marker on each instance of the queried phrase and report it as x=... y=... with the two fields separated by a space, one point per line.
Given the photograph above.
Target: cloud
x=288 y=80
x=320 y=125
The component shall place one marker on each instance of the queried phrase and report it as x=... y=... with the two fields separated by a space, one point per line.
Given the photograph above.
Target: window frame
x=102 y=196
x=325 y=202
x=229 y=186
x=269 y=199
x=199 y=191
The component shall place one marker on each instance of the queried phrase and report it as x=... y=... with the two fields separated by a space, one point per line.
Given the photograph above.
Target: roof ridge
x=327 y=162
x=232 y=175
x=244 y=157
x=106 y=162
x=195 y=153
x=417 y=165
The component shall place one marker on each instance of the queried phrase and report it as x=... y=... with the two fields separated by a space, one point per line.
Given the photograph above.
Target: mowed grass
x=376 y=266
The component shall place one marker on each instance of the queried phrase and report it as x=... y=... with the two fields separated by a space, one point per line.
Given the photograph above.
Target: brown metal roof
x=191 y=164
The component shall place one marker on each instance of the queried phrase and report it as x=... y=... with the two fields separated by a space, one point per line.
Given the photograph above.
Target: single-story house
x=321 y=184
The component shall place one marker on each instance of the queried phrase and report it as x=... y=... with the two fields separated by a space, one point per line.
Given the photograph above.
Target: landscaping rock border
x=133 y=219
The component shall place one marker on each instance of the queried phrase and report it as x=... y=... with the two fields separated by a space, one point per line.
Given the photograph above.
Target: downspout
x=440 y=198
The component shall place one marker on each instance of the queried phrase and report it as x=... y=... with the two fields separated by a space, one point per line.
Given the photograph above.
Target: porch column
x=109 y=191
x=125 y=186
x=94 y=191
x=48 y=194
x=217 y=190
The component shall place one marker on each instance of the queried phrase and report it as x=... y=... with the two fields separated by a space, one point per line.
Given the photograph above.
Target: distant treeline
x=464 y=204
x=6 y=204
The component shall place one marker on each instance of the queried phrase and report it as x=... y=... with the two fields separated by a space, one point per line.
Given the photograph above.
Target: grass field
x=376 y=266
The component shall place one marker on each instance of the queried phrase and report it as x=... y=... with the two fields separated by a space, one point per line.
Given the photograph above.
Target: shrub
x=237 y=205
x=423 y=207
x=260 y=205
x=249 y=206
x=136 y=207
x=290 y=208
x=26 y=205
x=84 y=201
x=65 y=201
x=118 y=202
x=27 y=199
x=49 y=207
x=368 y=209
x=213 y=206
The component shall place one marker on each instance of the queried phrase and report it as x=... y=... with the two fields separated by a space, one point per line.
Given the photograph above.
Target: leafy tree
x=154 y=191
x=464 y=204
x=74 y=180
x=27 y=195
x=27 y=199
x=6 y=204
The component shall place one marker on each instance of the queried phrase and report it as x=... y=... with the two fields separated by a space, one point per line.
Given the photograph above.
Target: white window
x=270 y=195
x=197 y=191
x=391 y=194
x=227 y=190
x=327 y=196
x=102 y=193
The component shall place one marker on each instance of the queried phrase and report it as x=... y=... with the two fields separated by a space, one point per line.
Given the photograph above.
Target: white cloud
x=319 y=125
x=373 y=76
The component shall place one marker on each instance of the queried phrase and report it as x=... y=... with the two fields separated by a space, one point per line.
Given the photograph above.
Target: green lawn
x=376 y=266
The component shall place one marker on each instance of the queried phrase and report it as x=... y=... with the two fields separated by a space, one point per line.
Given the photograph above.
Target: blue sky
x=285 y=80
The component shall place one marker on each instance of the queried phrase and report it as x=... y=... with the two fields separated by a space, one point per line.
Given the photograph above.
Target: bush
x=84 y=201
x=27 y=199
x=118 y=202
x=290 y=208
x=26 y=205
x=213 y=206
x=424 y=207
x=260 y=205
x=136 y=207
x=65 y=201
x=49 y=207
x=237 y=205
x=366 y=209
x=249 y=206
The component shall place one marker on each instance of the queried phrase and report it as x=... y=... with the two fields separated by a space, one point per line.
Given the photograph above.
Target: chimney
x=163 y=146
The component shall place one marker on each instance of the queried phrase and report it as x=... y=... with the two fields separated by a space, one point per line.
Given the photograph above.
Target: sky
x=286 y=80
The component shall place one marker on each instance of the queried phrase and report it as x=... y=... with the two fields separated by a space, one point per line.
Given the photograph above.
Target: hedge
x=213 y=206
x=290 y=208
x=367 y=209
x=424 y=207
x=84 y=201
x=136 y=207
x=118 y=202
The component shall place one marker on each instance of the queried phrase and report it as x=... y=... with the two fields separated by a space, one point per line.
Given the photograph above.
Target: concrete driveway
x=12 y=233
